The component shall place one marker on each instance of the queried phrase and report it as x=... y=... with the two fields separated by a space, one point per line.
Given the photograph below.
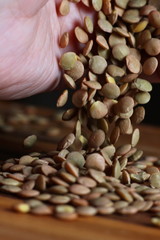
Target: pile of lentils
x=91 y=172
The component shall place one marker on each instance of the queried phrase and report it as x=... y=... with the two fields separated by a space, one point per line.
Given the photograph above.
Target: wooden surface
x=14 y=226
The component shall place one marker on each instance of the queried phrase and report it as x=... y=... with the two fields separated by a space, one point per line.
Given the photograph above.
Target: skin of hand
x=29 y=50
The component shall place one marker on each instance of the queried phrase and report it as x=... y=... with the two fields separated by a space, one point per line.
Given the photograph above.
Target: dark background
x=152 y=108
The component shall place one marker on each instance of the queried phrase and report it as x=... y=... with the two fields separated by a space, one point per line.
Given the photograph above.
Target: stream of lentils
x=91 y=172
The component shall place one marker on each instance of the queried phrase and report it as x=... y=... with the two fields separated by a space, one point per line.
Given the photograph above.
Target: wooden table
x=14 y=226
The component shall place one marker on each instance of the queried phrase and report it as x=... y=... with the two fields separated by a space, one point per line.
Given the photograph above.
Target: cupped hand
x=29 y=51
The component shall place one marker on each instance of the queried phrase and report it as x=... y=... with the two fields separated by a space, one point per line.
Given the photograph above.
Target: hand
x=29 y=50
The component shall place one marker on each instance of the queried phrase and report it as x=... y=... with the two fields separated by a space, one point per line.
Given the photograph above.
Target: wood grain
x=14 y=226
x=18 y=226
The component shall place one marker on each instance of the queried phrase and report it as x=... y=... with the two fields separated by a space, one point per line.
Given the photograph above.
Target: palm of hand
x=29 y=50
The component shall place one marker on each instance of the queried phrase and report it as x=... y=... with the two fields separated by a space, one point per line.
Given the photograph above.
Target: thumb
x=26 y=8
